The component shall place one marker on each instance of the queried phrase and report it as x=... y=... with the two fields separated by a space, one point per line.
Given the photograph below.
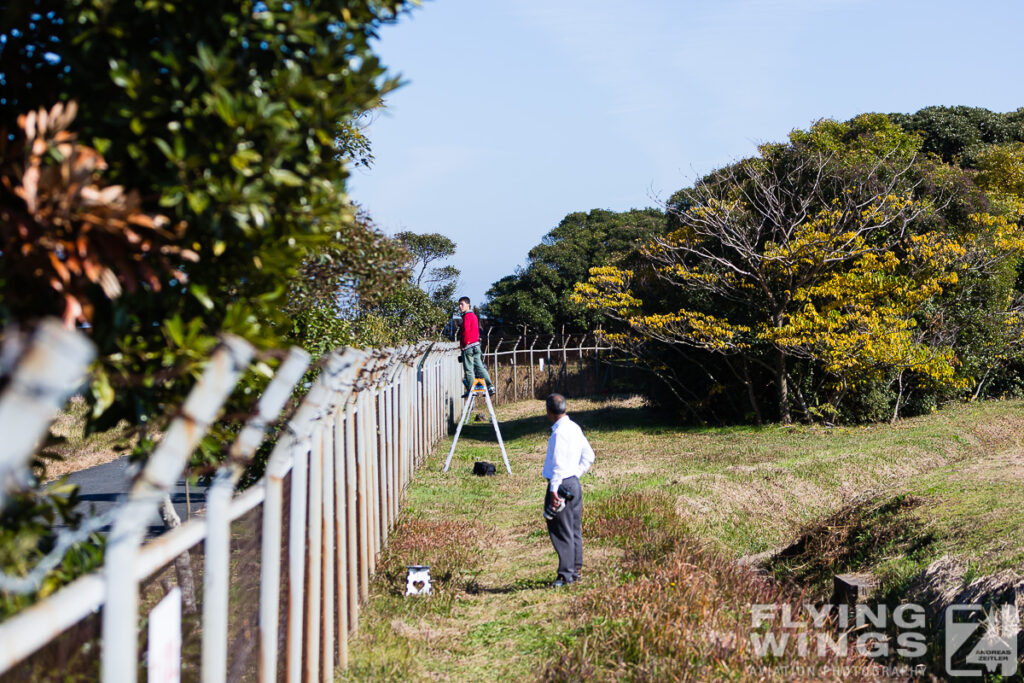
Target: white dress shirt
x=569 y=452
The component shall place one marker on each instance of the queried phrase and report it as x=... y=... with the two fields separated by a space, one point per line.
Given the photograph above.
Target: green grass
x=731 y=491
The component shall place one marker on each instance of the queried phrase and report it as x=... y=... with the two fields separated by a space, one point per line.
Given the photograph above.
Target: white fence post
x=217 y=547
x=351 y=448
x=120 y=611
x=51 y=368
x=342 y=539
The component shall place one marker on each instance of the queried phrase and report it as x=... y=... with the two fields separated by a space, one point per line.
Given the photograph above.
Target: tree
x=205 y=169
x=234 y=121
x=961 y=133
x=417 y=308
x=330 y=309
x=424 y=250
x=327 y=302
x=538 y=295
x=824 y=251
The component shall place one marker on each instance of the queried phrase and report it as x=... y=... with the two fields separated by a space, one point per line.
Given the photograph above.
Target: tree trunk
x=183 y=562
x=899 y=399
x=800 y=398
x=750 y=392
x=781 y=375
x=780 y=378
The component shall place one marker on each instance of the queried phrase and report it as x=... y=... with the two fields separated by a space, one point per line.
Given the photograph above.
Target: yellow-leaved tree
x=833 y=255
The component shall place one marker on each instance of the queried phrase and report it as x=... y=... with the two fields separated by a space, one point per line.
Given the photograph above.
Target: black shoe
x=560 y=583
x=465 y=395
x=491 y=390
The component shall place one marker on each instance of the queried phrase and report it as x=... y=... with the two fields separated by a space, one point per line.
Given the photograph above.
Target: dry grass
x=668 y=505
x=77 y=451
x=677 y=611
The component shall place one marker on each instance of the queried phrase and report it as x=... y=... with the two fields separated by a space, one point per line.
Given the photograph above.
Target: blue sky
x=516 y=113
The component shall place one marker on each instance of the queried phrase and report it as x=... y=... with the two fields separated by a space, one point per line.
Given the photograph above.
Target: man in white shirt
x=569 y=457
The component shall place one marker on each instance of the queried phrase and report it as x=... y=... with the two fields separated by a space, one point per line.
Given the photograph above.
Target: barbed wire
x=66 y=539
x=368 y=377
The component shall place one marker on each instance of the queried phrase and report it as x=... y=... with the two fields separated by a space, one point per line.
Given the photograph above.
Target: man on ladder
x=469 y=340
x=477 y=380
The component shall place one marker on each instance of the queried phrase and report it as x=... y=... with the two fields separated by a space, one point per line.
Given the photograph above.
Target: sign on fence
x=163 y=656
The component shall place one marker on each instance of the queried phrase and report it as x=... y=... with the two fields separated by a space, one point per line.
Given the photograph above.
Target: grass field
x=666 y=510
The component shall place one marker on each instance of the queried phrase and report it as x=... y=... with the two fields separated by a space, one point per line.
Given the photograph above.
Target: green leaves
x=238 y=126
x=285 y=177
x=538 y=295
x=102 y=393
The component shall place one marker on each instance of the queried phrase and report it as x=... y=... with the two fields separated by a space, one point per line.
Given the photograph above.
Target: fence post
x=382 y=459
x=418 y=406
x=360 y=463
x=565 y=363
x=327 y=605
x=396 y=453
x=314 y=545
x=121 y=607
x=515 y=373
x=296 y=559
x=49 y=371
x=373 y=464
x=548 y=355
x=400 y=416
x=217 y=546
x=352 y=517
x=533 y=387
x=579 y=365
x=341 y=535
x=384 y=418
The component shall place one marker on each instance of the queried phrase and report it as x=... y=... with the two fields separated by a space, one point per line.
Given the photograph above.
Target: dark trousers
x=566 y=530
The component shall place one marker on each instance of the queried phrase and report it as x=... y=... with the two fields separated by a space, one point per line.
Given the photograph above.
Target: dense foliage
x=844 y=273
x=538 y=295
x=418 y=307
x=170 y=171
x=961 y=134
x=330 y=309
x=228 y=126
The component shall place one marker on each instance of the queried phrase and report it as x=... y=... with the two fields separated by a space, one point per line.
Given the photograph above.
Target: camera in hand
x=551 y=510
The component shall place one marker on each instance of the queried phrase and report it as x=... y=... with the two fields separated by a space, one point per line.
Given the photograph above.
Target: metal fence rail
x=314 y=525
x=528 y=367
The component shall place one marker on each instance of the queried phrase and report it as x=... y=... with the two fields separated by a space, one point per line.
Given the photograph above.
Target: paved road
x=101 y=487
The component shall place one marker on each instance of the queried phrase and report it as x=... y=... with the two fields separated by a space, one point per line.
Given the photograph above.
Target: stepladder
x=479 y=389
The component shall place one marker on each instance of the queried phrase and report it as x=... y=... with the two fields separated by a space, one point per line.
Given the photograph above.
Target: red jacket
x=470 y=331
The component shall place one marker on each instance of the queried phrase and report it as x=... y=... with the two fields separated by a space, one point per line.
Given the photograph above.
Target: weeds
x=643 y=523
x=449 y=547
x=684 y=616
